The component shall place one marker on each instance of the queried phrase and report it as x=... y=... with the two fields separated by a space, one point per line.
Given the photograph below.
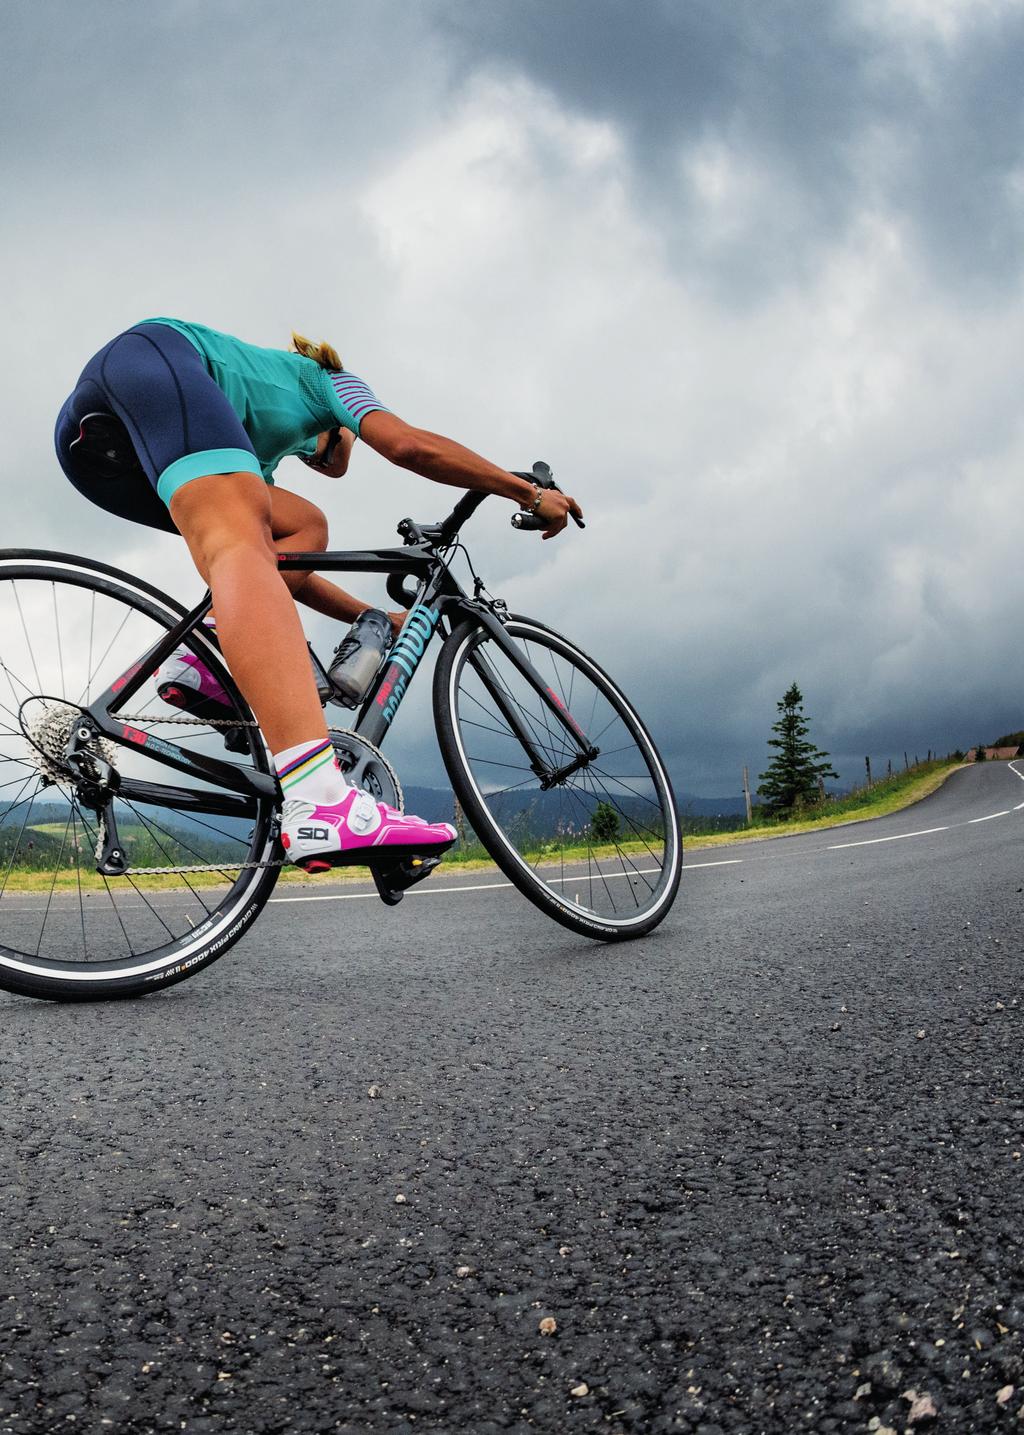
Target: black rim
x=602 y=840
x=65 y=636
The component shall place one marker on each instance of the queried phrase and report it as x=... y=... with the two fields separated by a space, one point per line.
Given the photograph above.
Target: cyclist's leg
x=226 y=521
x=298 y=526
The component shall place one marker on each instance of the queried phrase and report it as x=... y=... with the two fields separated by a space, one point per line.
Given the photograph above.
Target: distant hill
x=538 y=812
x=1010 y=739
x=436 y=803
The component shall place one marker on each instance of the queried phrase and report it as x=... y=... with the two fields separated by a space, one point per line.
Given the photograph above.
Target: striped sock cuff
x=305 y=764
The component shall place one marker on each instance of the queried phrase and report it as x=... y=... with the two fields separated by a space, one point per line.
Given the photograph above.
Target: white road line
x=1014 y=771
x=990 y=816
x=492 y=886
x=873 y=841
x=365 y=896
x=468 y=887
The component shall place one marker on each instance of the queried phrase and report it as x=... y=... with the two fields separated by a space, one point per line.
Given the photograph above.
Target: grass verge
x=892 y=794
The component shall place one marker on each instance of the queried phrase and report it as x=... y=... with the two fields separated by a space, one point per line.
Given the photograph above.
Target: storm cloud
x=913 y=110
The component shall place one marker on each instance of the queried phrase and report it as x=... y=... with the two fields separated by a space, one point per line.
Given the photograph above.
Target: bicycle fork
x=548 y=776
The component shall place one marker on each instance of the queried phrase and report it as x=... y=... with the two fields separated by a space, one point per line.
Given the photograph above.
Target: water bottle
x=359 y=656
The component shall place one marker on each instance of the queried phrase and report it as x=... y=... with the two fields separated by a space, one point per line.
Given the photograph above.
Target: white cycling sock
x=310 y=772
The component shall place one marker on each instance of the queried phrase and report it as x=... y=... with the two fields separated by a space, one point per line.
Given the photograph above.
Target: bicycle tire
x=554 y=884
x=114 y=937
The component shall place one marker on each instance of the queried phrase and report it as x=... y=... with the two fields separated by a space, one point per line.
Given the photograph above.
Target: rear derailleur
x=96 y=785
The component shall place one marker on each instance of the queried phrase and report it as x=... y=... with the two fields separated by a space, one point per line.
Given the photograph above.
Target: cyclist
x=209 y=418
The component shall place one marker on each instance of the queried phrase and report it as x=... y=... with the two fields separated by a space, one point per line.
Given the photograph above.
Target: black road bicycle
x=138 y=844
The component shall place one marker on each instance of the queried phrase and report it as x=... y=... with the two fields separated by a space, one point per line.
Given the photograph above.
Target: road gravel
x=450 y=1168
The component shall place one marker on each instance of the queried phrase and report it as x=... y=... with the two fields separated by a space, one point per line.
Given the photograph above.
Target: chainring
x=366 y=767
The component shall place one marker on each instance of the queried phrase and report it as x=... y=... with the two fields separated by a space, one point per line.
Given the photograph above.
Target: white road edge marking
x=1015 y=773
x=873 y=841
x=492 y=886
x=971 y=820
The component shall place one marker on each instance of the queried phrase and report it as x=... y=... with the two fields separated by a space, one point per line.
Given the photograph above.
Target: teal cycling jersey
x=282 y=399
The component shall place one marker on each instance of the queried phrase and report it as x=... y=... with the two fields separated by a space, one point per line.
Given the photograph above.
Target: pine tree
x=793 y=774
x=604 y=824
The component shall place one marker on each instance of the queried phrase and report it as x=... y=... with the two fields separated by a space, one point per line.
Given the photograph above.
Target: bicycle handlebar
x=542 y=476
x=444 y=532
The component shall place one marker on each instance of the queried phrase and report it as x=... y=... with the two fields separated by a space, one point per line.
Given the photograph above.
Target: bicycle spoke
x=14 y=851
x=78 y=875
x=629 y=820
x=28 y=640
x=167 y=854
x=60 y=650
x=88 y=661
x=91 y=674
x=53 y=884
x=611 y=777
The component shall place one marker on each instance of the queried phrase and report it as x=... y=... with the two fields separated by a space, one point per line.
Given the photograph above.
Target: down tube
x=380 y=708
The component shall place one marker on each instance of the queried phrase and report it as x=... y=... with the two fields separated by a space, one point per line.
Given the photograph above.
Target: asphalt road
x=764 y=1170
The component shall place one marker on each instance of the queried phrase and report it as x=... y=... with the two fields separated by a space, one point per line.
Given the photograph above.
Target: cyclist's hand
x=555 y=509
x=333 y=450
x=398 y=622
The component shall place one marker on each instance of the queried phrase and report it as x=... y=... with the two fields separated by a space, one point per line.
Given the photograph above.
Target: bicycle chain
x=195 y=722
x=198 y=867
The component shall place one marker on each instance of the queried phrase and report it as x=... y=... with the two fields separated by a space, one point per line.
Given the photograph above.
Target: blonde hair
x=326 y=355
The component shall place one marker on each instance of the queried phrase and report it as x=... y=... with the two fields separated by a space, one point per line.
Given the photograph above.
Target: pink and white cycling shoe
x=357 y=830
x=184 y=681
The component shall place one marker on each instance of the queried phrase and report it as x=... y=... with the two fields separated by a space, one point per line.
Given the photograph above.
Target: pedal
x=187 y=700
x=392 y=882
x=391 y=878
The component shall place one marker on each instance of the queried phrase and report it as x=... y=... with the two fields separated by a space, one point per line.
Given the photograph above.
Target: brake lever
x=542 y=476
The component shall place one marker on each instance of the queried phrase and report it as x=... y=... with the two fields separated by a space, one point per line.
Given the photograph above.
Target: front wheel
x=577 y=811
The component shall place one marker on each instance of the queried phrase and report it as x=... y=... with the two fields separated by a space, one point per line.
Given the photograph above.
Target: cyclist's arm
x=433 y=456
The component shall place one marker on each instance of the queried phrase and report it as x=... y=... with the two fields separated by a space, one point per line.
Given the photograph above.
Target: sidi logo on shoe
x=313 y=834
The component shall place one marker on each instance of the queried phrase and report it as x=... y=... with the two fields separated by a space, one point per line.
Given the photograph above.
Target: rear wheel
x=68 y=629
x=594 y=843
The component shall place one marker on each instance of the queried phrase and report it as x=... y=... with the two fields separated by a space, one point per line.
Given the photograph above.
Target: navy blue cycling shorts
x=158 y=385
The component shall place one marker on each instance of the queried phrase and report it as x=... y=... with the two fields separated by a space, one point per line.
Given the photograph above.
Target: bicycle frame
x=438 y=599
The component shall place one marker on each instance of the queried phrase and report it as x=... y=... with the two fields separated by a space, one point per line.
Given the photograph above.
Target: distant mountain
x=538 y=812
x=711 y=806
x=436 y=803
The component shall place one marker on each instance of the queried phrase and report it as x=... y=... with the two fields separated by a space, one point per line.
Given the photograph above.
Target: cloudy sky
x=748 y=275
